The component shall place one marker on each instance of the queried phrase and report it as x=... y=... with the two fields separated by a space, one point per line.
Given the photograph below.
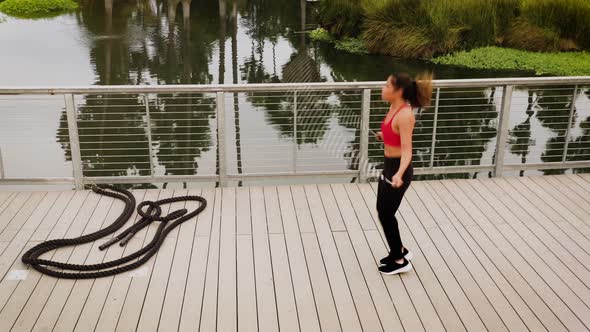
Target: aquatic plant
x=37 y=8
x=563 y=63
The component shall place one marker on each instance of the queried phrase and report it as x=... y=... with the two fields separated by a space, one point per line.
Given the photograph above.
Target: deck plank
x=322 y=290
x=63 y=294
x=160 y=277
x=14 y=208
x=177 y=279
x=552 y=206
x=191 y=308
x=273 y=212
x=514 y=250
x=118 y=286
x=451 y=242
x=43 y=305
x=247 y=310
x=80 y=292
x=32 y=205
x=568 y=198
x=489 y=254
x=10 y=259
x=226 y=295
x=388 y=293
x=5 y=197
x=137 y=293
x=286 y=306
x=571 y=270
x=87 y=314
x=459 y=297
x=265 y=288
x=304 y=299
x=414 y=286
x=350 y=319
x=246 y=277
x=445 y=309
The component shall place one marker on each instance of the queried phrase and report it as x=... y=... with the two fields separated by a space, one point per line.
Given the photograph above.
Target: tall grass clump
x=427 y=28
x=570 y=19
x=524 y=35
x=341 y=17
x=399 y=28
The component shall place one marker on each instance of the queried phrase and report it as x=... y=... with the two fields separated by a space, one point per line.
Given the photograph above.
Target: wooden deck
x=502 y=254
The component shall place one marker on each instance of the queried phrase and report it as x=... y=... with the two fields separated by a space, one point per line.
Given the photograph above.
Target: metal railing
x=157 y=134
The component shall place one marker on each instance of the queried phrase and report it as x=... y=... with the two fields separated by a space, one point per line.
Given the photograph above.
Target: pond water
x=155 y=42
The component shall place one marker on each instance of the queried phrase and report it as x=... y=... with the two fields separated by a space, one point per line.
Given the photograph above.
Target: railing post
x=221 y=138
x=294 y=132
x=503 y=124
x=569 y=124
x=74 y=141
x=364 y=148
x=149 y=131
x=1 y=165
x=434 y=125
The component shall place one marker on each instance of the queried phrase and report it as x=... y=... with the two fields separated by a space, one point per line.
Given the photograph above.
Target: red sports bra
x=390 y=137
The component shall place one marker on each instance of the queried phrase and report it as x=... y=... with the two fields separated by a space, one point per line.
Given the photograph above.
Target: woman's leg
x=388 y=202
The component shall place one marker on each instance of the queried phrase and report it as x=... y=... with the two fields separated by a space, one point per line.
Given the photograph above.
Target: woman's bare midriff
x=392 y=151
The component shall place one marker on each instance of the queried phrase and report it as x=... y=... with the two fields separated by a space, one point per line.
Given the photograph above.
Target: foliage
x=341 y=17
x=568 y=18
x=37 y=8
x=351 y=45
x=564 y=63
x=320 y=34
x=427 y=28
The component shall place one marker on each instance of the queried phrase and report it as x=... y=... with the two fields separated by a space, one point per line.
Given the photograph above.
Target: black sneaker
x=407 y=255
x=395 y=268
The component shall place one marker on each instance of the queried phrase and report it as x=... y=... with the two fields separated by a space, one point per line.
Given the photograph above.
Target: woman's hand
x=396 y=181
x=379 y=136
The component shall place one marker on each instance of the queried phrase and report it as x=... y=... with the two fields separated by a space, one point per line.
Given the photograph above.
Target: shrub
x=320 y=34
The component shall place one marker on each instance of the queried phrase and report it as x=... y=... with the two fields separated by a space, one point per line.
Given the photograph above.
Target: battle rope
x=152 y=214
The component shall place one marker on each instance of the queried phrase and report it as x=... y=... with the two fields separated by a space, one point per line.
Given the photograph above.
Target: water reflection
x=520 y=140
x=181 y=42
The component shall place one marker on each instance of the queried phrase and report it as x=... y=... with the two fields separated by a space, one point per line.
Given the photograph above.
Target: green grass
x=347 y=44
x=561 y=64
x=36 y=8
x=352 y=45
x=427 y=28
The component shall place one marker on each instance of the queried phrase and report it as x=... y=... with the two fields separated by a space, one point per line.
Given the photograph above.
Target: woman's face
x=389 y=92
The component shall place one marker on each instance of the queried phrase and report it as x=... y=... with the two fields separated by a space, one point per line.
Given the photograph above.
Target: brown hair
x=418 y=91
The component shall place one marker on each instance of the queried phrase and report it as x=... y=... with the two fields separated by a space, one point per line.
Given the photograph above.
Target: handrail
x=175 y=88
x=303 y=123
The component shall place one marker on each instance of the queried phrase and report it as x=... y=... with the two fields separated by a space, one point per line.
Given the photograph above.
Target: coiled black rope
x=152 y=214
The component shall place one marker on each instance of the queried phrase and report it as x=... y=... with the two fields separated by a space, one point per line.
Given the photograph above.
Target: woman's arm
x=406 y=128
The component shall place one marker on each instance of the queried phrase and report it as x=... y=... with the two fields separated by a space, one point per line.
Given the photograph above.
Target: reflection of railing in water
x=451 y=135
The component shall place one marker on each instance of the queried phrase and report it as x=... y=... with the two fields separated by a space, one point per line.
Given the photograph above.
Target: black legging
x=388 y=201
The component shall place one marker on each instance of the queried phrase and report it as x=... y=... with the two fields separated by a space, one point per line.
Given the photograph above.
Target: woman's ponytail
x=423 y=84
x=418 y=92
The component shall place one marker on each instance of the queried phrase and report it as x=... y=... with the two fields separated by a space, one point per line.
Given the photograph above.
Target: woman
x=403 y=93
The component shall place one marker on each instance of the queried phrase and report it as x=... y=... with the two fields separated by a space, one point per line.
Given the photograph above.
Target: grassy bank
x=36 y=8
x=562 y=64
x=428 y=28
